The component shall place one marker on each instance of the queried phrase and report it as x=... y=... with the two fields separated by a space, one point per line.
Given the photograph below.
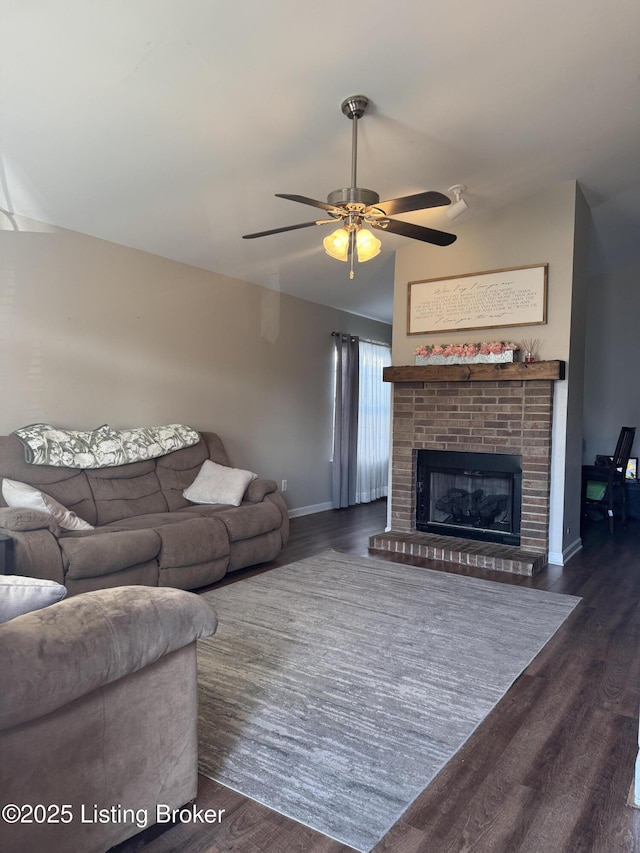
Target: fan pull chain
x=352 y=240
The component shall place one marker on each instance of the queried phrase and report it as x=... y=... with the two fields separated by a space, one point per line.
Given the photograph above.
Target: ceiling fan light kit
x=357 y=209
x=339 y=244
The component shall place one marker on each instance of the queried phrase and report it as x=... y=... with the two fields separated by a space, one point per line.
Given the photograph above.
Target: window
x=362 y=421
x=374 y=423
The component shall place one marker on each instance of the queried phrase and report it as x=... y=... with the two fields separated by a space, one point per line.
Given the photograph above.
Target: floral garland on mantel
x=493 y=351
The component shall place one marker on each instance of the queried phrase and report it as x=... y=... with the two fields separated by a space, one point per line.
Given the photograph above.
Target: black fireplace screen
x=470 y=495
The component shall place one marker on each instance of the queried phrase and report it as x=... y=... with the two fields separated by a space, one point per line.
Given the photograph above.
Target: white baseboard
x=560 y=559
x=310 y=510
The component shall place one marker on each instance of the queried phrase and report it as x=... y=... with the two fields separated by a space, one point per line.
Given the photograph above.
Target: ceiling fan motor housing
x=353 y=195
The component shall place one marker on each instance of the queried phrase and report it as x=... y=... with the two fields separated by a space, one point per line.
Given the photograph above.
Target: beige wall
x=92 y=332
x=536 y=231
x=575 y=390
x=541 y=229
x=612 y=359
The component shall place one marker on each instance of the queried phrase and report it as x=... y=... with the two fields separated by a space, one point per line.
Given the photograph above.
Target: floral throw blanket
x=103 y=447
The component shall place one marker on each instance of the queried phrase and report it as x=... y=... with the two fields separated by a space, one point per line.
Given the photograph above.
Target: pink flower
x=484 y=349
x=472 y=350
x=495 y=347
x=448 y=350
x=458 y=349
x=437 y=349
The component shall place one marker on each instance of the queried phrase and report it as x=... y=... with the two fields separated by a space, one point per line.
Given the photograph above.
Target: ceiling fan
x=356 y=208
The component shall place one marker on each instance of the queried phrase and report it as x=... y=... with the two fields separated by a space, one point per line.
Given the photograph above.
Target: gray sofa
x=145 y=532
x=98 y=710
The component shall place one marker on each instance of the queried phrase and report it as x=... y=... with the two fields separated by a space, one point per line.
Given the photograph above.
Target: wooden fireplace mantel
x=501 y=372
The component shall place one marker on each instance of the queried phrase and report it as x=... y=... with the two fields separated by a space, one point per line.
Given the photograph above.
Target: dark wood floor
x=549 y=771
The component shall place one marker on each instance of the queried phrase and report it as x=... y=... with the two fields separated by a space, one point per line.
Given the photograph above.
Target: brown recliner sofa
x=145 y=532
x=98 y=717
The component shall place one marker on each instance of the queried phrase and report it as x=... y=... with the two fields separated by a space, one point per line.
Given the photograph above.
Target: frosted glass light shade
x=367 y=245
x=337 y=244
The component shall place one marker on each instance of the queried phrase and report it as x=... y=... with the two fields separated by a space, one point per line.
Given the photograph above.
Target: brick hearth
x=502 y=415
x=465 y=552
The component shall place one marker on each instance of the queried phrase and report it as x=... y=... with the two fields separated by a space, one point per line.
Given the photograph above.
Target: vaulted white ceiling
x=169 y=126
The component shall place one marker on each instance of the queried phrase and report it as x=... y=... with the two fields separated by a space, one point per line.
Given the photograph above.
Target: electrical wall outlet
x=283 y=487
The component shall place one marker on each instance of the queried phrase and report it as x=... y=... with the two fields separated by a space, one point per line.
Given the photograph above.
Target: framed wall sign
x=486 y=300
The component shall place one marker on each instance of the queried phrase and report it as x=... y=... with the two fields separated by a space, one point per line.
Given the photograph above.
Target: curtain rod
x=364 y=340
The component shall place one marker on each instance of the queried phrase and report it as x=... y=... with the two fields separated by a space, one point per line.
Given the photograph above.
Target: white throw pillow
x=22 y=495
x=218 y=484
x=20 y=595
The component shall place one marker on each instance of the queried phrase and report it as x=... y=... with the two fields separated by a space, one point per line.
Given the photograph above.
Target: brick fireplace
x=482 y=408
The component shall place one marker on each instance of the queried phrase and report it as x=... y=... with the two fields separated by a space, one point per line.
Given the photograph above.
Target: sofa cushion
x=250 y=552
x=192 y=542
x=219 y=484
x=186 y=539
x=178 y=470
x=20 y=595
x=245 y=521
x=126 y=491
x=153 y=520
x=193 y=577
x=144 y=574
x=23 y=495
x=105 y=552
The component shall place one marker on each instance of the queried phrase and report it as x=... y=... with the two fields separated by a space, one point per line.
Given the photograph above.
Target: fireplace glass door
x=469 y=495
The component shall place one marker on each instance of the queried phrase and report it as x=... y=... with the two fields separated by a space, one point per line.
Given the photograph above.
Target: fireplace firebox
x=469 y=495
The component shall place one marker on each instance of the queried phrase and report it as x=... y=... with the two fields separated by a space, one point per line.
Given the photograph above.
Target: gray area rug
x=337 y=687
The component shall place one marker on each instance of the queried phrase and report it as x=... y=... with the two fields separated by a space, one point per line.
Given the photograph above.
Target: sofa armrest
x=53 y=656
x=35 y=554
x=20 y=519
x=258 y=489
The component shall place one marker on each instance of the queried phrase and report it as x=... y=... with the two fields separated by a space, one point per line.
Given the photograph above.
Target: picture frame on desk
x=631 y=472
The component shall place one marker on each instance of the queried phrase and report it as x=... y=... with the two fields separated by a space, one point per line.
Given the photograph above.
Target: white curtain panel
x=374 y=423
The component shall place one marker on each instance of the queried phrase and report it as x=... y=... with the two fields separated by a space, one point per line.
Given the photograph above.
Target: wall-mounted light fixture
x=459 y=205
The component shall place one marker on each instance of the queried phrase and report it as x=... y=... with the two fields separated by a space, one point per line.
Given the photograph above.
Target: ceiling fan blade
x=416 y=232
x=314 y=202
x=419 y=201
x=286 y=228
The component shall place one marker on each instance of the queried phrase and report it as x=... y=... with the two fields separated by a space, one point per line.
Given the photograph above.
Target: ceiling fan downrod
x=354 y=108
